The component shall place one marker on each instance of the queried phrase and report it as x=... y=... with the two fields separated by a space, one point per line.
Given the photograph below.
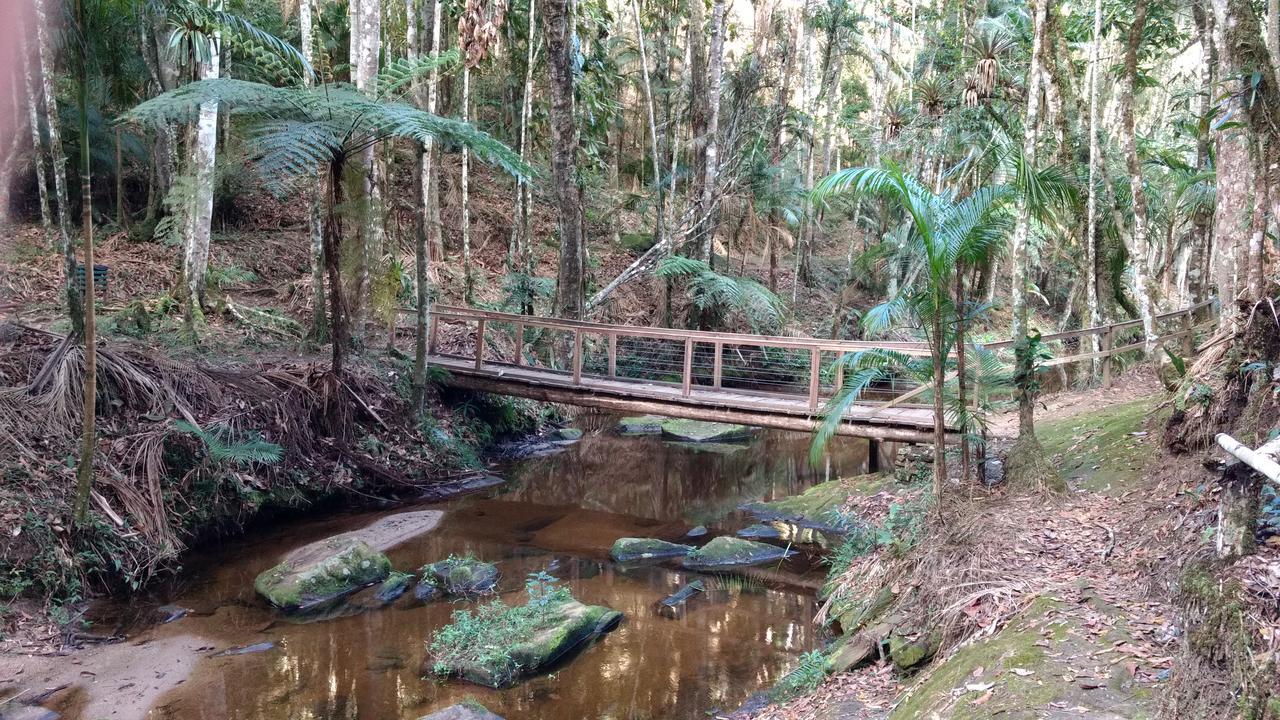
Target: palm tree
x=944 y=234
x=302 y=131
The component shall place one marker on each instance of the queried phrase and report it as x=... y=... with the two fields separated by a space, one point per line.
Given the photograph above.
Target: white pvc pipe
x=1263 y=459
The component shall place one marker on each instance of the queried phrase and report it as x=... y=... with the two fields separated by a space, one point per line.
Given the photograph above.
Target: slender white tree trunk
x=1021 y=258
x=37 y=140
x=422 y=245
x=366 y=42
x=468 y=282
x=715 y=75
x=520 y=229
x=659 y=231
x=1139 y=255
x=58 y=157
x=429 y=181
x=1094 y=319
x=315 y=217
x=200 y=215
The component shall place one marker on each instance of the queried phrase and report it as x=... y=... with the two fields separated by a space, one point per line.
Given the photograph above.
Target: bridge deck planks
x=919 y=418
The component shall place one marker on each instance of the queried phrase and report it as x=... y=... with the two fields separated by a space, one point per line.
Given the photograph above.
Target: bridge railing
x=759 y=365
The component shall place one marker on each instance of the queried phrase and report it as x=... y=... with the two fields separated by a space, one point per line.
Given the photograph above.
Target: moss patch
x=818 y=507
x=1098 y=450
x=734 y=552
x=1042 y=660
x=324 y=572
x=637 y=549
x=700 y=431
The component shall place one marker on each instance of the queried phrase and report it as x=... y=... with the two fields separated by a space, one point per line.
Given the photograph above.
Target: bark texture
x=558 y=21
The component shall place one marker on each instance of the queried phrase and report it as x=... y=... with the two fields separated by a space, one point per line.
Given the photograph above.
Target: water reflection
x=562 y=515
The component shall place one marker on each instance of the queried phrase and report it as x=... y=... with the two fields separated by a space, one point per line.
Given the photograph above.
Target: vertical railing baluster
x=613 y=354
x=717 y=371
x=1108 y=342
x=687 y=377
x=577 y=356
x=815 y=364
x=519 y=344
x=479 y=343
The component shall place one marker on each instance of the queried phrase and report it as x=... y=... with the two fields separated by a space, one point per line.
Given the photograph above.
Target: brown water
x=559 y=513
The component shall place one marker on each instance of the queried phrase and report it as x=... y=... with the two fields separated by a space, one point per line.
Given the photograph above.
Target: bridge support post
x=718 y=369
x=479 y=343
x=1108 y=342
x=815 y=366
x=519 y=344
x=613 y=355
x=687 y=375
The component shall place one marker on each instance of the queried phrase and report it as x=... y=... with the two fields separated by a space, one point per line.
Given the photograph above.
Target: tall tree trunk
x=199 y=220
x=1091 y=234
x=339 y=313
x=711 y=156
x=558 y=19
x=315 y=213
x=1021 y=257
x=659 y=231
x=520 y=229
x=699 y=108
x=366 y=44
x=59 y=158
x=1139 y=253
x=467 y=281
x=89 y=392
x=37 y=140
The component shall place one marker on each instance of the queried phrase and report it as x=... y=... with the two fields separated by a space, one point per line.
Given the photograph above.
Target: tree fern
x=719 y=296
x=224 y=445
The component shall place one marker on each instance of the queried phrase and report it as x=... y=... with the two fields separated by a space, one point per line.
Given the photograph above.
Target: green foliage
x=486 y=635
x=720 y=299
x=226 y=445
x=1029 y=356
x=805 y=677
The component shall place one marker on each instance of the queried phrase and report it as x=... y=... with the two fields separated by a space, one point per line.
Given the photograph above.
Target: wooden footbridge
x=778 y=382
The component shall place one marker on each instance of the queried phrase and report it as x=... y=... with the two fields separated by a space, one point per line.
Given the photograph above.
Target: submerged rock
x=727 y=551
x=641 y=425
x=469 y=710
x=635 y=549
x=457 y=487
x=393 y=587
x=700 y=431
x=674 y=605
x=459 y=577
x=565 y=434
x=245 y=649
x=322 y=572
x=760 y=530
x=818 y=508
x=698 y=531
x=569 y=627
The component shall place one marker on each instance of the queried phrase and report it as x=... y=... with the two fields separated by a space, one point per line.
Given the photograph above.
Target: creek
x=557 y=513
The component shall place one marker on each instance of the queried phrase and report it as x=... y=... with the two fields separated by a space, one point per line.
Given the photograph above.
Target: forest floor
x=1082 y=622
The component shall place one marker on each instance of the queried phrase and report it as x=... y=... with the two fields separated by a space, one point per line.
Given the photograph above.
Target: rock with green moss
x=725 y=552
x=468 y=710
x=910 y=649
x=699 y=431
x=641 y=425
x=321 y=573
x=565 y=434
x=818 y=508
x=566 y=629
x=626 y=550
x=393 y=587
x=460 y=577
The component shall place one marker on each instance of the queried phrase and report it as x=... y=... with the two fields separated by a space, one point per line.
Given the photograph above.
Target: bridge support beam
x=587 y=398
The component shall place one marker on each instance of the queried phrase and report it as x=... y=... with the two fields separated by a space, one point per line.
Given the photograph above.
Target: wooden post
x=687 y=377
x=839 y=376
x=519 y=344
x=1188 y=342
x=433 y=325
x=1108 y=342
x=815 y=365
x=479 y=343
x=718 y=368
x=613 y=354
x=577 y=356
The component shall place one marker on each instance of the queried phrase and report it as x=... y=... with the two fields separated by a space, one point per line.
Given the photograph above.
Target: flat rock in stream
x=637 y=549
x=818 y=508
x=760 y=530
x=570 y=627
x=641 y=425
x=725 y=551
x=459 y=577
x=322 y=572
x=387 y=531
x=465 y=711
x=674 y=605
x=700 y=431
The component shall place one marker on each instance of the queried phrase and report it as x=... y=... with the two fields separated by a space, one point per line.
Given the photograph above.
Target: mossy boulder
x=393 y=587
x=636 y=549
x=460 y=577
x=469 y=710
x=569 y=628
x=699 y=431
x=819 y=507
x=641 y=425
x=565 y=434
x=321 y=573
x=637 y=242
x=910 y=649
x=725 y=551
